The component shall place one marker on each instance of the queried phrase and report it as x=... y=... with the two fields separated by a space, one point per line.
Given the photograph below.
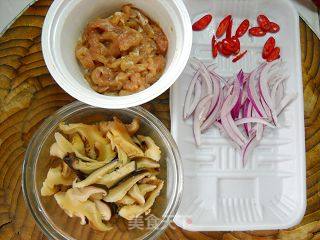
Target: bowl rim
x=32 y=200
x=89 y=96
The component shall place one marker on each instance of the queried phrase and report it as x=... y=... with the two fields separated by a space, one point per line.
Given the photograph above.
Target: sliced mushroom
x=87 y=209
x=55 y=178
x=77 y=164
x=122 y=139
x=66 y=171
x=116 y=176
x=133 y=211
x=83 y=194
x=136 y=141
x=145 y=188
x=133 y=127
x=90 y=133
x=77 y=143
x=126 y=200
x=65 y=147
x=150 y=180
x=121 y=154
x=146 y=163
x=118 y=192
x=153 y=171
x=97 y=175
x=106 y=153
x=56 y=151
x=136 y=194
x=110 y=137
x=104 y=127
x=104 y=210
x=152 y=150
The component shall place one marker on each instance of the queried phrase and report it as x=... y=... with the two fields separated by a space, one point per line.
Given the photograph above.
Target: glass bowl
x=51 y=218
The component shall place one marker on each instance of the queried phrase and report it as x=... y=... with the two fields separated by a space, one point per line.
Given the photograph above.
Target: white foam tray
x=218 y=193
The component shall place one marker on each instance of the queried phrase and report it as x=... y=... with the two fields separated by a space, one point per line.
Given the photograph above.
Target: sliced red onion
x=244 y=97
x=246 y=112
x=265 y=91
x=222 y=80
x=196 y=99
x=245 y=104
x=215 y=114
x=205 y=75
x=231 y=100
x=236 y=109
x=190 y=91
x=216 y=93
x=199 y=116
x=226 y=119
x=230 y=129
x=253 y=95
x=254 y=120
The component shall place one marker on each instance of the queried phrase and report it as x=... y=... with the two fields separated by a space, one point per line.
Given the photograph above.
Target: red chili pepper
x=214 y=47
x=257 y=32
x=202 y=23
x=215 y=50
x=238 y=57
x=263 y=22
x=229 y=29
x=243 y=28
x=222 y=28
x=213 y=40
x=268 y=47
x=223 y=50
x=227 y=44
x=274 y=28
x=231 y=45
x=236 y=43
x=274 y=55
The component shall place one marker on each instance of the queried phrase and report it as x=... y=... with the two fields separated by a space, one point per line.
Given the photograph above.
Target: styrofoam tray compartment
x=269 y=193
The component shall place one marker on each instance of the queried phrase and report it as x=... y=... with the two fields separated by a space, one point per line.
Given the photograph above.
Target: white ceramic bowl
x=63 y=26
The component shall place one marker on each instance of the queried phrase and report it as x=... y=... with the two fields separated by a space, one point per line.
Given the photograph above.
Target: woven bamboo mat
x=28 y=95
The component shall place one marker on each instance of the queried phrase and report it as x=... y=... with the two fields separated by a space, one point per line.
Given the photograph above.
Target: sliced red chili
x=215 y=50
x=238 y=57
x=222 y=28
x=274 y=27
x=268 y=47
x=243 y=28
x=257 y=32
x=213 y=40
x=222 y=50
x=274 y=55
x=229 y=29
x=214 y=46
x=236 y=43
x=232 y=45
x=263 y=22
x=228 y=44
x=202 y=23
